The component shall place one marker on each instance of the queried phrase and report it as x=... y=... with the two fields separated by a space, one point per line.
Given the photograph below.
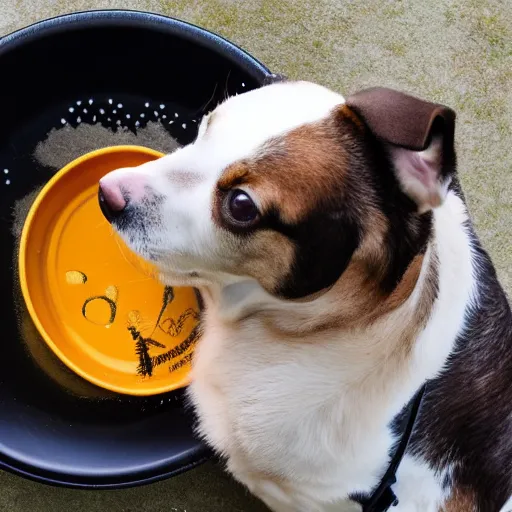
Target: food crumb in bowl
x=112 y=293
x=75 y=277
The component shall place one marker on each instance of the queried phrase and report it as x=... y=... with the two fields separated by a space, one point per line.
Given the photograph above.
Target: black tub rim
x=137 y=19
x=173 y=27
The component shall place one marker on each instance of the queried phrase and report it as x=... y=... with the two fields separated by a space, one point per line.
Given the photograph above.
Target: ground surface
x=454 y=51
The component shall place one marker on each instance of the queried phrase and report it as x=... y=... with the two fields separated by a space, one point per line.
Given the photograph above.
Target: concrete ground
x=458 y=52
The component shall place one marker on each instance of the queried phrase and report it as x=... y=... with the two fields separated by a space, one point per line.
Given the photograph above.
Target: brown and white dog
x=340 y=272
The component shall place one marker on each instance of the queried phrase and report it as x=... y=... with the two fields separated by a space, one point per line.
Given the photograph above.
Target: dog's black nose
x=110 y=208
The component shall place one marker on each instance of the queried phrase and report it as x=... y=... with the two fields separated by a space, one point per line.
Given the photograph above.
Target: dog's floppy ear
x=419 y=137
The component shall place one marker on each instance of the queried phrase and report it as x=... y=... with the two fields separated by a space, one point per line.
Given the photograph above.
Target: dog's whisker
x=203 y=109
x=226 y=91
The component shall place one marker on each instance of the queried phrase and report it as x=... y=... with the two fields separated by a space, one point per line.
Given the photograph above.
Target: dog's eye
x=241 y=207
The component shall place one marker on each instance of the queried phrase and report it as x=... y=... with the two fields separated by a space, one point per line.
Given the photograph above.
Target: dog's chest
x=275 y=410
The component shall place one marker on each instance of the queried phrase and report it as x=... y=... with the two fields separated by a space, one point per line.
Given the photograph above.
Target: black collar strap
x=383 y=497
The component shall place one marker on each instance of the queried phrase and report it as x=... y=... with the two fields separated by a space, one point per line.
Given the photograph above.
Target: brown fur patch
x=233 y=176
x=297 y=172
x=355 y=302
x=346 y=111
x=365 y=305
x=460 y=500
x=268 y=266
x=405 y=287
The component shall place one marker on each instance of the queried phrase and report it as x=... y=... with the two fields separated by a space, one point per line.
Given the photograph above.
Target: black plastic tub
x=67 y=73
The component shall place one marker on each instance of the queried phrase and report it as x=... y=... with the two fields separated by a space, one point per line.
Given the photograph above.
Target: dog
x=341 y=274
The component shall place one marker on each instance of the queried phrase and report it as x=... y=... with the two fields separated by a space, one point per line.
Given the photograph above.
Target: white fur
x=508 y=506
x=301 y=424
x=276 y=408
x=418 y=487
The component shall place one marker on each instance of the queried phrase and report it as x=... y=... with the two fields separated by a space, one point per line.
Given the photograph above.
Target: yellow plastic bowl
x=97 y=305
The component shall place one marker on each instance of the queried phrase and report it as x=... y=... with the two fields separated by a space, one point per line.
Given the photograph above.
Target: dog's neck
x=336 y=308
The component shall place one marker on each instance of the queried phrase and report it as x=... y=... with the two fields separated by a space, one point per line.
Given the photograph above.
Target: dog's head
x=291 y=186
